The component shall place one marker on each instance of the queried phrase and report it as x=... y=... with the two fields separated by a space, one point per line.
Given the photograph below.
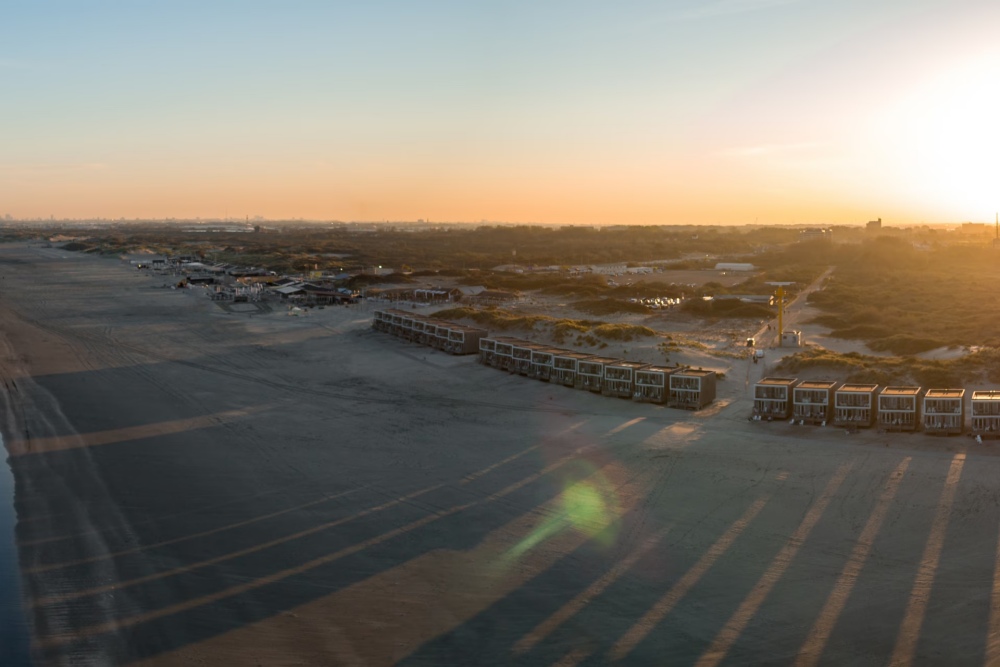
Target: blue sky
x=641 y=112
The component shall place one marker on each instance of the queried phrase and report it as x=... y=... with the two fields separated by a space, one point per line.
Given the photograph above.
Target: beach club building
x=541 y=363
x=986 y=413
x=487 y=348
x=565 y=366
x=590 y=373
x=503 y=353
x=691 y=389
x=651 y=384
x=899 y=408
x=812 y=401
x=772 y=398
x=521 y=356
x=464 y=340
x=854 y=405
x=944 y=411
x=619 y=378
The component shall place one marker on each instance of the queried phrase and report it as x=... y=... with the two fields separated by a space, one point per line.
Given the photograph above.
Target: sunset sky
x=668 y=112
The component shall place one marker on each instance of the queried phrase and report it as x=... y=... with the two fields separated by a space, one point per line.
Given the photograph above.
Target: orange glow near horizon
x=718 y=112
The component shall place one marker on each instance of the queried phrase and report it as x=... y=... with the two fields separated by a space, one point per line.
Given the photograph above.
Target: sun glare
x=951 y=130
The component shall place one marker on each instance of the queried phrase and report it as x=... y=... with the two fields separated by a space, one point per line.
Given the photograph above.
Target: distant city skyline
x=681 y=112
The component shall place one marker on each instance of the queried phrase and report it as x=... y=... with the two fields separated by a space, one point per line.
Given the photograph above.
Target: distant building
x=791 y=338
x=471 y=290
x=436 y=294
x=816 y=234
x=734 y=266
x=874 y=225
x=609 y=269
x=146 y=261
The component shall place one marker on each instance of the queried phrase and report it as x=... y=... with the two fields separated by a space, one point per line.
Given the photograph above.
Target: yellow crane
x=780 y=293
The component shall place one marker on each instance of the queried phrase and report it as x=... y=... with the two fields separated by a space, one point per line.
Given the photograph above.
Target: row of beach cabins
x=677 y=387
x=937 y=411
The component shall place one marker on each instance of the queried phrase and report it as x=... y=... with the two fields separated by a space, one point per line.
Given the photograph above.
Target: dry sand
x=200 y=487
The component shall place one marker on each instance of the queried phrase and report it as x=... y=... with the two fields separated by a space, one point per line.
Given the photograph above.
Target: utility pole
x=781 y=311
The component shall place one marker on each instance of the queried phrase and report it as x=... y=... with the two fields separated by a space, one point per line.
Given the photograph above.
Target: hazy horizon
x=987 y=225
x=725 y=112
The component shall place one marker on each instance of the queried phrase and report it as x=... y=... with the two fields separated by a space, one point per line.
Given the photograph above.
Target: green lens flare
x=587 y=507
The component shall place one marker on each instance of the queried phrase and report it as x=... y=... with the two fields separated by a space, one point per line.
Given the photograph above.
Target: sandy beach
x=200 y=487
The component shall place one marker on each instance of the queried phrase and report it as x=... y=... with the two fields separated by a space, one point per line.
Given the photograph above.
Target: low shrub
x=905 y=344
x=609 y=306
x=624 y=332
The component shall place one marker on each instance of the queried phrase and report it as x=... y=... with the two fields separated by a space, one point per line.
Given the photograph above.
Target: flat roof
x=986 y=395
x=783 y=382
x=863 y=388
x=659 y=369
x=630 y=364
x=945 y=393
x=818 y=384
x=900 y=391
x=603 y=360
x=694 y=373
x=569 y=354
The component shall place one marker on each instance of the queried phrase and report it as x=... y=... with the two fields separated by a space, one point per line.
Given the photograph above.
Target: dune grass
x=495 y=319
x=981 y=366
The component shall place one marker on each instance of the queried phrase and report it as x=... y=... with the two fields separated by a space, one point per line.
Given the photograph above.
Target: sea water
x=14 y=642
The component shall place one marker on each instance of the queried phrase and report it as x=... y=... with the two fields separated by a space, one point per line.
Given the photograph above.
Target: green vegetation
x=331 y=247
x=625 y=332
x=588 y=331
x=980 y=366
x=905 y=344
x=906 y=301
x=609 y=307
x=727 y=308
x=562 y=329
x=502 y=320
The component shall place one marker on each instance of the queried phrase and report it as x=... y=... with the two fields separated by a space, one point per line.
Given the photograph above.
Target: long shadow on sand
x=242 y=528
